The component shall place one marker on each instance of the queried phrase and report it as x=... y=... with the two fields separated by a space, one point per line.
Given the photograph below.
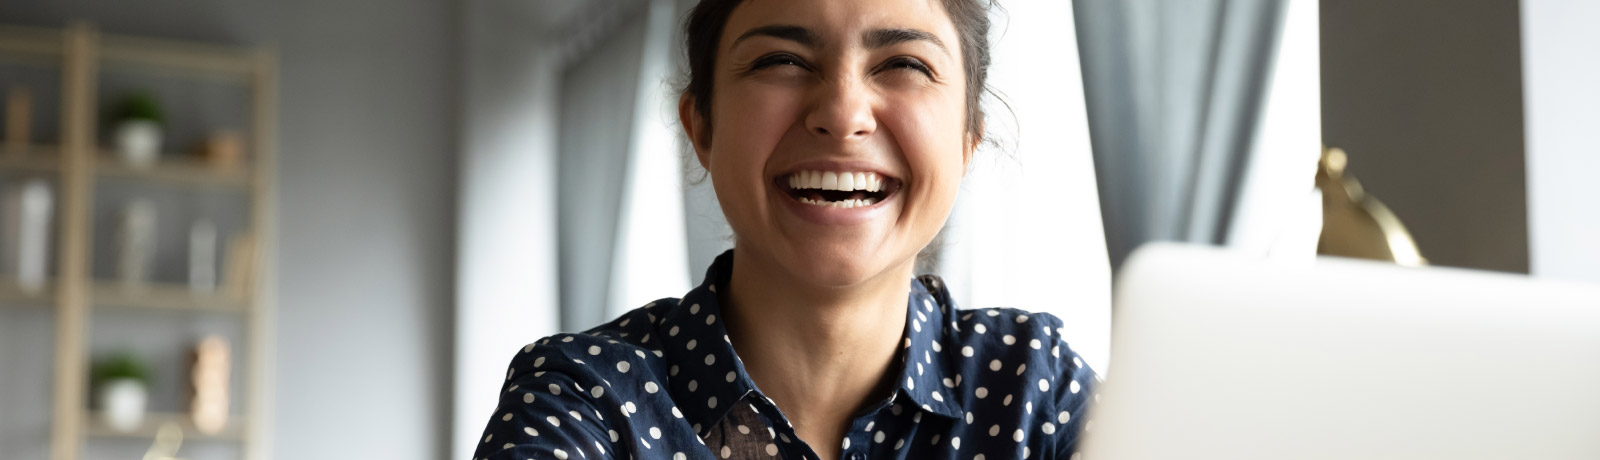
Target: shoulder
x=576 y=392
x=1018 y=366
x=622 y=346
x=1008 y=336
x=984 y=326
x=1037 y=337
x=1033 y=337
x=583 y=392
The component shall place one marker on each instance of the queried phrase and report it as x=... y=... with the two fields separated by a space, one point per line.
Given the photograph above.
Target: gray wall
x=1426 y=96
x=366 y=208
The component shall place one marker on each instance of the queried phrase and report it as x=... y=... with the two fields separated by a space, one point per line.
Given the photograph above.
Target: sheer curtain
x=621 y=217
x=1026 y=231
x=1175 y=95
x=1562 y=109
x=1279 y=212
x=506 y=266
x=652 y=254
x=569 y=208
x=1204 y=129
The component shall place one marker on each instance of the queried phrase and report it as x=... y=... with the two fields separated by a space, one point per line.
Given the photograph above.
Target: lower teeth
x=837 y=204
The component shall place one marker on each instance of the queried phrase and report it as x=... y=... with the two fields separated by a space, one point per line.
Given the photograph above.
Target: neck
x=819 y=352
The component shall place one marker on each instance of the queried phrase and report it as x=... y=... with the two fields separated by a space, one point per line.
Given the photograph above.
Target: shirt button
x=857 y=456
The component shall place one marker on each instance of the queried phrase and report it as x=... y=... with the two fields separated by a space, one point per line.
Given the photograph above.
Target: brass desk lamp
x=1355 y=224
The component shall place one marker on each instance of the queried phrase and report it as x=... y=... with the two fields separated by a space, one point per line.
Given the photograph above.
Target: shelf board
x=186 y=172
x=160 y=296
x=199 y=59
x=12 y=293
x=234 y=431
x=31 y=159
x=36 y=41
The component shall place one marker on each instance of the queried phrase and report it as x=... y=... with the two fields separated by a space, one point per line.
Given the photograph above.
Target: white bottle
x=202 y=257
x=136 y=243
x=26 y=249
x=33 y=234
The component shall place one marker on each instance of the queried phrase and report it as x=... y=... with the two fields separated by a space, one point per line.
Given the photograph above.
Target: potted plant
x=136 y=126
x=121 y=382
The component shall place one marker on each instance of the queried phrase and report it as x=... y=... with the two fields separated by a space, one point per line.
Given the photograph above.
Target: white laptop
x=1224 y=356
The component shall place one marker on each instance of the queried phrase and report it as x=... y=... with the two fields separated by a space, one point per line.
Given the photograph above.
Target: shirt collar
x=696 y=343
x=702 y=357
x=925 y=377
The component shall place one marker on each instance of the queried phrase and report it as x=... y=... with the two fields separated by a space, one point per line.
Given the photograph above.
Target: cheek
x=749 y=124
x=756 y=111
x=930 y=133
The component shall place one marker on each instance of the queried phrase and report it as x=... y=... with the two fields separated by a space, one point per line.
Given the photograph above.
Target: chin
x=838 y=266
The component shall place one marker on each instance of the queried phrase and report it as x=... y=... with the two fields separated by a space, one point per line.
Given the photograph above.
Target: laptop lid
x=1220 y=355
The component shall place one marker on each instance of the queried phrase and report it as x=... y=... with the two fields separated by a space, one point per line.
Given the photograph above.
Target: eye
x=907 y=62
x=780 y=59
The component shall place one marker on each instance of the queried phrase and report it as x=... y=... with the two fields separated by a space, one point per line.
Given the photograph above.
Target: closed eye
x=781 y=59
x=907 y=62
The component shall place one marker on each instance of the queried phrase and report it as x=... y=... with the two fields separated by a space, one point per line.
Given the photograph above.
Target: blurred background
x=320 y=229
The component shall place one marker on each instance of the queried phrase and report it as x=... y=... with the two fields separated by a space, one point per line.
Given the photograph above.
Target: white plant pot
x=138 y=142
x=123 y=404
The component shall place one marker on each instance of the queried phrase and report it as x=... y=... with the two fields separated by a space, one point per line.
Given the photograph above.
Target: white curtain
x=1278 y=212
x=1026 y=232
x=621 y=218
x=506 y=268
x=1562 y=110
x=651 y=260
x=569 y=173
x=1176 y=91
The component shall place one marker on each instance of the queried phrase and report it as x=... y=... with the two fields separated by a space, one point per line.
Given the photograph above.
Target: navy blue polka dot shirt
x=663 y=381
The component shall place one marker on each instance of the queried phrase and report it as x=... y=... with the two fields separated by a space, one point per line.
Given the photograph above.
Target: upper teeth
x=842 y=181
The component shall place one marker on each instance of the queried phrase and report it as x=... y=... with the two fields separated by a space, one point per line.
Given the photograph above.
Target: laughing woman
x=836 y=134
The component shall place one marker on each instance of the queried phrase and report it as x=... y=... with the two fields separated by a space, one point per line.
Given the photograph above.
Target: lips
x=838 y=189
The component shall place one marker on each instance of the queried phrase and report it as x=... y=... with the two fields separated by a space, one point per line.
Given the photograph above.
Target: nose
x=843 y=111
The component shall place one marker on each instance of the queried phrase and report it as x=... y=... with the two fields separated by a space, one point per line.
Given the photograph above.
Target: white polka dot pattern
x=657 y=383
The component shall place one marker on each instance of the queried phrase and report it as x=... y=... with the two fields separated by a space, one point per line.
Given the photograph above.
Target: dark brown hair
x=703 y=33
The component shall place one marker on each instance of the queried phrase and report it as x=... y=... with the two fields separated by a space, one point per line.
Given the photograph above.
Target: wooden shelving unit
x=176 y=172
x=37 y=159
x=79 y=164
x=154 y=296
x=153 y=421
x=13 y=294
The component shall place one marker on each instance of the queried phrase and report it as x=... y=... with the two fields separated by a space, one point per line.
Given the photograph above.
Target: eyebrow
x=876 y=38
x=879 y=38
x=795 y=34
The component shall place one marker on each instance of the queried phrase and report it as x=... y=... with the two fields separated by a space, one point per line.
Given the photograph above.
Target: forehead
x=842 y=20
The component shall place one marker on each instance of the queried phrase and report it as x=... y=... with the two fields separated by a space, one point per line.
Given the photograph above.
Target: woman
x=836 y=134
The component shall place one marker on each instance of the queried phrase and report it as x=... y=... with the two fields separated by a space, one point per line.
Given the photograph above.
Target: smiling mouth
x=838 y=189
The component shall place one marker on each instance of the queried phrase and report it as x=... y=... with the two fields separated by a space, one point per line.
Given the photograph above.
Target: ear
x=694 y=126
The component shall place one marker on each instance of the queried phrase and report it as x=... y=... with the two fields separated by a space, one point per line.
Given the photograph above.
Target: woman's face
x=836 y=142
